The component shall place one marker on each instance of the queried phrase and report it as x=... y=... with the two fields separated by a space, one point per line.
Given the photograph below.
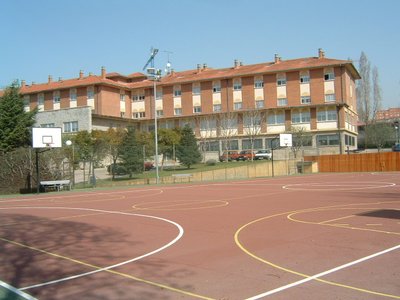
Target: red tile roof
x=194 y=75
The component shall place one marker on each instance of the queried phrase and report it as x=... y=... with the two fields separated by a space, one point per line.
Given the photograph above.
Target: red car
x=246 y=155
x=229 y=156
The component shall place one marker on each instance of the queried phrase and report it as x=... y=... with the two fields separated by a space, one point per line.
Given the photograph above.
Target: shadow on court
x=34 y=250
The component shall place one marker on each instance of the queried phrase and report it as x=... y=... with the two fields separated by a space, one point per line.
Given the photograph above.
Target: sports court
x=322 y=236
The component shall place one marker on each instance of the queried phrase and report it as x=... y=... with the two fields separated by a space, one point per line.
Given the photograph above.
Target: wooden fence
x=366 y=162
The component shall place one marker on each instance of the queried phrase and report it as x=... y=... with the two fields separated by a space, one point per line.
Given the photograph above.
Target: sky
x=61 y=37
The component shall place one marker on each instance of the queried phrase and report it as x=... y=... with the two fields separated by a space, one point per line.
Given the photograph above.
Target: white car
x=263 y=154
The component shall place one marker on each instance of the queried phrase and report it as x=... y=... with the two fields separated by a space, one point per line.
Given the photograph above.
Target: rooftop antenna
x=168 y=65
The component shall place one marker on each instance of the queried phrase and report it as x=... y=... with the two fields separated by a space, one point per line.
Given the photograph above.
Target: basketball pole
x=37 y=172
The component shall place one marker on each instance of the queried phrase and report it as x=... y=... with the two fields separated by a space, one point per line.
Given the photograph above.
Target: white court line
x=16 y=291
x=180 y=234
x=288 y=286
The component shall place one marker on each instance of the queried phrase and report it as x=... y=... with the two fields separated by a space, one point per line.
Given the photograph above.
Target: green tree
x=113 y=139
x=167 y=139
x=15 y=123
x=131 y=152
x=381 y=135
x=187 y=151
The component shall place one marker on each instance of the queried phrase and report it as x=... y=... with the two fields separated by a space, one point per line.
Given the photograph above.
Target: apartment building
x=227 y=108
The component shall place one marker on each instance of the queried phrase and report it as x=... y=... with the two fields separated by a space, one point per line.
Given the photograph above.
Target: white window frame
x=40 y=99
x=282 y=102
x=139 y=115
x=237 y=84
x=305 y=99
x=177 y=111
x=277 y=118
x=73 y=95
x=71 y=126
x=258 y=83
x=217 y=87
x=301 y=116
x=304 y=78
x=56 y=97
x=196 y=89
x=330 y=97
x=160 y=113
x=237 y=105
x=327 y=115
x=196 y=109
x=217 y=107
x=90 y=92
x=260 y=104
x=329 y=75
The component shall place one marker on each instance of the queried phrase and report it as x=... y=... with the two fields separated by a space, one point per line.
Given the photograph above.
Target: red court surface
x=325 y=236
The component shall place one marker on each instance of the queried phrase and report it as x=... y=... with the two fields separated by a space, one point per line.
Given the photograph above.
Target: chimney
x=198 y=68
x=23 y=83
x=80 y=74
x=321 y=53
x=50 y=79
x=236 y=63
x=90 y=73
x=277 y=59
x=204 y=66
x=59 y=79
x=103 y=72
x=172 y=72
x=33 y=83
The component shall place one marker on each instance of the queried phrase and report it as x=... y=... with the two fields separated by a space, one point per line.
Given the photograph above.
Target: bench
x=181 y=177
x=56 y=185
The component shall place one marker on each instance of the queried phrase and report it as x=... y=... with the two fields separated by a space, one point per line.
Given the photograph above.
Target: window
x=122 y=97
x=329 y=75
x=178 y=111
x=122 y=114
x=277 y=118
x=327 y=140
x=258 y=83
x=72 y=95
x=251 y=121
x=197 y=109
x=196 y=89
x=300 y=117
x=160 y=113
x=330 y=97
x=56 y=97
x=90 y=93
x=305 y=99
x=281 y=79
x=327 y=115
x=217 y=107
x=48 y=125
x=26 y=100
x=257 y=144
x=138 y=97
x=177 y=93
x=237 y=85
x=259 y=103
x=237 y=105
x=159 y=94
x=139 y=115
x=41 y=99
x=304 y=78
x=71 y=126
x=216 y=87
x=282 y=102
x=349 y=140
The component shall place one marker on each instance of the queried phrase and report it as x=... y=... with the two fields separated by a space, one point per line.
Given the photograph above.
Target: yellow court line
x=239 y=244
x=160 y=285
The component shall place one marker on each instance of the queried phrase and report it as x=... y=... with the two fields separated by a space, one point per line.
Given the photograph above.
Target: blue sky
x=61 y=37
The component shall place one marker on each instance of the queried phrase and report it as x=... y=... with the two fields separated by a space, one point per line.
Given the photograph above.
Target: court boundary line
x=17 y=291
x=327 y=272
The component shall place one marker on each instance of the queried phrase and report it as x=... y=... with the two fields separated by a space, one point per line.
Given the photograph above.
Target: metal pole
x=155 y=130
x=37 y=172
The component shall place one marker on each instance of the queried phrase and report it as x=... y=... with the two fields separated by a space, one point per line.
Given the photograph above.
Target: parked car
x=245 y=155
x=148 y=165
x=396 y=148
x=263 y=154
x=229 y=156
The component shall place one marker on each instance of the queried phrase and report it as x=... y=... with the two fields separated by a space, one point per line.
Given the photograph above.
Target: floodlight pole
x=156 y=130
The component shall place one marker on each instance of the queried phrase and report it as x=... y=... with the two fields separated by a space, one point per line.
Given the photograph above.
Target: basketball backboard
x=46 y=137
x=285 y=140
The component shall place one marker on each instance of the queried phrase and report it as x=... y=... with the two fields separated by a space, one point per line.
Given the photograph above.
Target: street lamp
x=154 y=75
x=69 y=143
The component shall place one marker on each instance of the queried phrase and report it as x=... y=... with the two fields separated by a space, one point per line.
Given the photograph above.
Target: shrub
x=211 y=162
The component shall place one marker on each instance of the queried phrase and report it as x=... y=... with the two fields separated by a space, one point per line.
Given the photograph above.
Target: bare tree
x=252 y=125
x=208 y=131
x=300 y=138
x=228 y=124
